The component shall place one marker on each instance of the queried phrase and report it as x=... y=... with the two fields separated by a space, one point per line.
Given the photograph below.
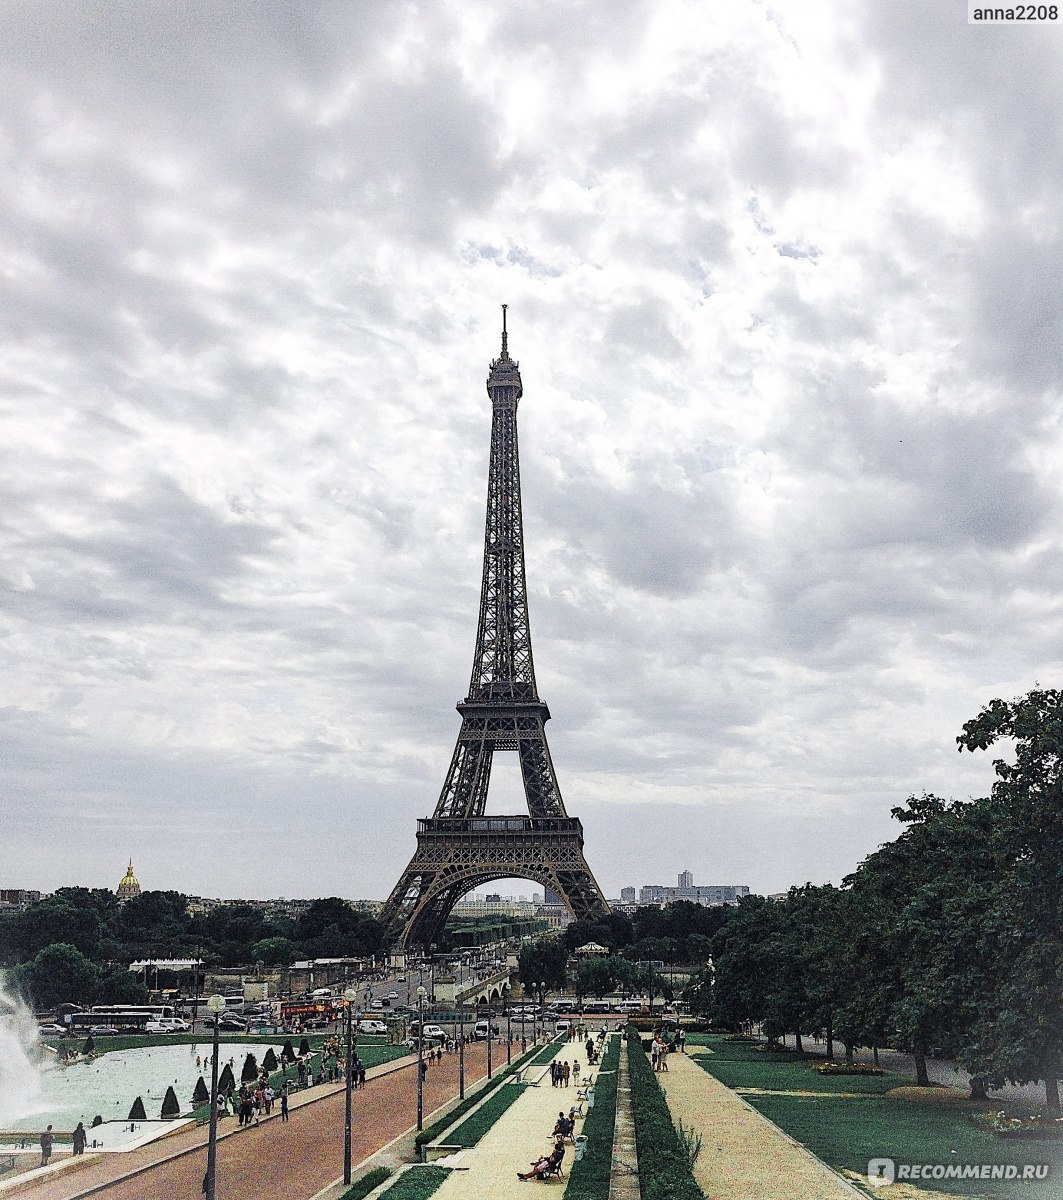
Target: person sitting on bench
x=563 y=1127
x=547 y=1165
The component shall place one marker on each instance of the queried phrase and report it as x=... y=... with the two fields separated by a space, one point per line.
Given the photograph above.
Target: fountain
x=20 y=1085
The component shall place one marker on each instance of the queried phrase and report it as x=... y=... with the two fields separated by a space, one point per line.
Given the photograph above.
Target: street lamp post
x=489 y=1038
x=421 y=993
x=461 y=1050
x=350 y=995
x=215 y=1006
x=509 y=1033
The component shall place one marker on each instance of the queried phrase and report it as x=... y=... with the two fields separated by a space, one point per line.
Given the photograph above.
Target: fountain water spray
x=20 y=1092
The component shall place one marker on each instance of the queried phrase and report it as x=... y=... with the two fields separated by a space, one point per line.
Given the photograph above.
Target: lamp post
x=421 y=993
x=215 y=1006
x=509 y=1032
x=461 y=1049
x=542 y=1008
x=489 y=1038
x=350 y=995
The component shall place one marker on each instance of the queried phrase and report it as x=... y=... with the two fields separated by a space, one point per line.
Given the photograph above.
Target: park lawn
x=847 y=1133
x=418 y=1183
x=739 y=1065
x=469 y=1132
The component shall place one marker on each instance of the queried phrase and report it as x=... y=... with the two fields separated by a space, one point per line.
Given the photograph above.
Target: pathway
x=289 y=1161
x=519 y=1136
x=743 y=1155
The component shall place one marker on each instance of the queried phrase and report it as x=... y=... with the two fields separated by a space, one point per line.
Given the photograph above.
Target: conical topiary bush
x=304 y=1047
x=171 y=1106
x=201 y=1093
x=250 y=1072
x=227 y=1080
x=137 y=1113
x=269 y=1060
x=89 y=1046
x=287 y=1053
x=96 y=1120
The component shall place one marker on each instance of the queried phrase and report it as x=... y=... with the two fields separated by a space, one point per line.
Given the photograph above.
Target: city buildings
x=686 y=889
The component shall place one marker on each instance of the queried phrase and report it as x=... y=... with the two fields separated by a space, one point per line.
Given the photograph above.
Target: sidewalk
x=743 y=1155
x=488 y=1170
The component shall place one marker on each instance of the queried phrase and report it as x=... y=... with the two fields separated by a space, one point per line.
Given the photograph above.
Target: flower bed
x=842 y=1068
x=1006 y=1126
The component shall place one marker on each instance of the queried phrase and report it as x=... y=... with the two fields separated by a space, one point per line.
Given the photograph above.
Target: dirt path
x=743 y=1155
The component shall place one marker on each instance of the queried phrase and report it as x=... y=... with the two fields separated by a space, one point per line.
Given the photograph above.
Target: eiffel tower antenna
x=458 y=847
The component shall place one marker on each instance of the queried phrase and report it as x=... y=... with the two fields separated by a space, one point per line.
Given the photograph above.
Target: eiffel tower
x=459 y=848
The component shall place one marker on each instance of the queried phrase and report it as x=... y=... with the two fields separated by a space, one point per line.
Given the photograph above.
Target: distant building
x=128 y=886
x=706 y=894
x=17 y=898
x=627 y=895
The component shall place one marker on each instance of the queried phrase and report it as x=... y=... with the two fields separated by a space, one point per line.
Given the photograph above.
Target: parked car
x=562 y=1026
x=393 y=995
x=377 y=1005
x=167 y=1025
x=103 y=1031
x=50 y=1030
x=229 y=1021
x=432 y=1033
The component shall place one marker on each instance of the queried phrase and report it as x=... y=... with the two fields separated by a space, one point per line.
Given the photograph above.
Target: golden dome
x=128 y=887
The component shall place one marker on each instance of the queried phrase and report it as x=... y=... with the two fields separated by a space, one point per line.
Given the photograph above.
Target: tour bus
x=128 y=1018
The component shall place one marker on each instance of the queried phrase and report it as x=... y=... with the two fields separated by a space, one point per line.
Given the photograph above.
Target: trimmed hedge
x=469 y=1132
x=663 y=1170
x=589 y=1178
x=369 y=1182
x=418 y=1183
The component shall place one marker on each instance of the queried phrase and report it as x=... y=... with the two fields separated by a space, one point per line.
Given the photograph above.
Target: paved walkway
x=284 y=1161
x=519 y=1136
x=743 y=1155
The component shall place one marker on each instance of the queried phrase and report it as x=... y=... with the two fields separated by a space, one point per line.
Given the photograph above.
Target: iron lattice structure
x=459 y=848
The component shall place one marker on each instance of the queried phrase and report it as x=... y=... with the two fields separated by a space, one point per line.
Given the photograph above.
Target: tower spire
x=505 y=335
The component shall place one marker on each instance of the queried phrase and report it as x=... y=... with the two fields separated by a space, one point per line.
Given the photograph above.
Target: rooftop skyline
x=784 y=287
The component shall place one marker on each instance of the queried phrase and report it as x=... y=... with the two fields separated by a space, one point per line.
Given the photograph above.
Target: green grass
x=846 y=1131
x=589 y=1178
x=469 y=1132
x=369 y=1181
x=664 y=1173
x=418 y=1183
x=738 y=1064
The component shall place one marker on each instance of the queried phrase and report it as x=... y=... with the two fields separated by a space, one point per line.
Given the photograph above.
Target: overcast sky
x=786 y=290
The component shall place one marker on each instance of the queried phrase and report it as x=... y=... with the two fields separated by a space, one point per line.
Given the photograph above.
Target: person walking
x=565 y=1072
x=284 y=1103
x=80 y=1138
x=46 y=1146
x=575 y=1072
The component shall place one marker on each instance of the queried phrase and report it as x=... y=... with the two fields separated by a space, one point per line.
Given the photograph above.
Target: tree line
x=77 y=944
x=947 y=941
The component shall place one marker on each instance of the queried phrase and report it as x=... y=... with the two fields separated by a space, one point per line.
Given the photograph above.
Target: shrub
x=304 y=1047
x=227 y=1080
x=171 y=1106
x=368 y=1183
x=418 y=1183
x=137 y=1113
x=287 y=1053
x=250 y=1072
x=201 y=1093
x=664 y=1170
x=269 y=1060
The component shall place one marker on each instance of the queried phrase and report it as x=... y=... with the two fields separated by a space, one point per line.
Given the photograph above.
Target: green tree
x=698 y=994
x=595 y=977
x=542 y=961
x=269 y=1059
x=1021 y=1036
x=226 y=1080
x=58 y=974
x=274 y=950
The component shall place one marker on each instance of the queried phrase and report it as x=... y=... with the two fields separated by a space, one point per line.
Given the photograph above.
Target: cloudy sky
x=786 y=288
